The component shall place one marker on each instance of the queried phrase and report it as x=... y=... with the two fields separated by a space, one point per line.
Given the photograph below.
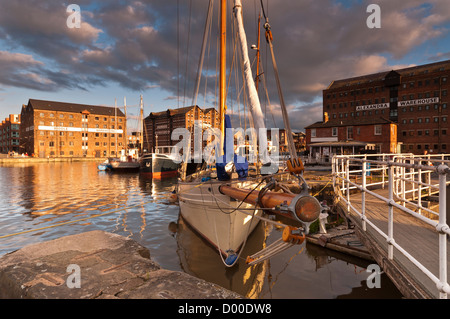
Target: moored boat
x=160 y=164
x=224 y=206
x=125 y=163
x=105 y=166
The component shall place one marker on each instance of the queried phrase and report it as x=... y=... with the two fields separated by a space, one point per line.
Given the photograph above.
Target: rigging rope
x=294 y=164
x=202 y=55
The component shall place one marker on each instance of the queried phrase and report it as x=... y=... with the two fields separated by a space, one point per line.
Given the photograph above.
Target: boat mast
x=258 y=52
x=141 y=126
x=222 y=73
x=115 y=122
x=125 y=126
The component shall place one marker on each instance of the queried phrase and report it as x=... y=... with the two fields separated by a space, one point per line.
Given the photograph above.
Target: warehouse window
x=350 y=132
x=334 y=131
x=378 y=129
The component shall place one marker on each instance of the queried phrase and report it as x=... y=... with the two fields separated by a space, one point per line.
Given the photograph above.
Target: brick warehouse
x=9 y=134
x=403 y=110
x=158 y=127
x=59 y=129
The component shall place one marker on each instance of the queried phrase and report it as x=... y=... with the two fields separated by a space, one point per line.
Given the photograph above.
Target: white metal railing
x=409 y=179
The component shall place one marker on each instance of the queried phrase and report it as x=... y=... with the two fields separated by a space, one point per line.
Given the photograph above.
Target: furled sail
x=255 y=106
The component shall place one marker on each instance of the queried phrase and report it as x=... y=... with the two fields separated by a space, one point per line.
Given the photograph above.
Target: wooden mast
x=222 y=73
x=258 y=52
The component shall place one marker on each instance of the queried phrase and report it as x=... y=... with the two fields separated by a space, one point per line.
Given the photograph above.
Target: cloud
x=22 y=70
x=145 y=44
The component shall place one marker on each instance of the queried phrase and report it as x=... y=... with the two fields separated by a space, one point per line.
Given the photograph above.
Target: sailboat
x=128 y=161
x=225 y=206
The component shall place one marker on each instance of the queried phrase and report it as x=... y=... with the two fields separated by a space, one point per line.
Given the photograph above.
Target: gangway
x=385 y=197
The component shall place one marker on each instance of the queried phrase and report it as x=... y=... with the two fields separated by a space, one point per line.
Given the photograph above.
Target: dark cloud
x=143 y=44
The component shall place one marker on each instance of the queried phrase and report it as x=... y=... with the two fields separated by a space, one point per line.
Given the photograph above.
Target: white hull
x=209 y=213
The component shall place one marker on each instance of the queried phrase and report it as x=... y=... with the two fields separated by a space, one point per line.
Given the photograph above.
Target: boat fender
x=231 y=258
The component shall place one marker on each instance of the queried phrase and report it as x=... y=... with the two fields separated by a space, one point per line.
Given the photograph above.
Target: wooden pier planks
x=414 y=235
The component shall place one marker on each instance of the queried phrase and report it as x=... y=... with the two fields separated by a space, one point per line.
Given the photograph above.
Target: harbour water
x=44 y=201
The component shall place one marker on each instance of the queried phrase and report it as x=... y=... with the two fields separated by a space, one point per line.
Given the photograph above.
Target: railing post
x=419 y=199
x=441 y=227
x=403 y=169
x=363 y=195
x=347 y=174
x=390 y=240
x=412 y=178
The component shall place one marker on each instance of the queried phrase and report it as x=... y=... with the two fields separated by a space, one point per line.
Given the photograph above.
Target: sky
x=123 y=49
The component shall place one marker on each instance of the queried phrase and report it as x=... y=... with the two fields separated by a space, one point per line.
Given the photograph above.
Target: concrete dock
x=96 y=265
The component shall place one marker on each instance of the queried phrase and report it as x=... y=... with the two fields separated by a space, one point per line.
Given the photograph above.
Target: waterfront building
x=298 y=138
x=61 y=129
x=404 y=110
x=10 y=135
x=158 y=126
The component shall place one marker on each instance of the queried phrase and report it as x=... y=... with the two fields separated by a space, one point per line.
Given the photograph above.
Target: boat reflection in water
x=301 y=272
x=49 y=198
x=201 y=260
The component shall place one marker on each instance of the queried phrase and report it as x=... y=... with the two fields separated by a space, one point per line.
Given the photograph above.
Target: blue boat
x=105 y=166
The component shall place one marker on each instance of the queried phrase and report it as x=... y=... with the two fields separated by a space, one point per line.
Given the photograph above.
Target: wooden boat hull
x=209 y=213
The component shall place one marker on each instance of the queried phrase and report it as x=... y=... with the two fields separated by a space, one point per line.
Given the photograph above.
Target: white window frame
x=334 y=131
x=376 y=127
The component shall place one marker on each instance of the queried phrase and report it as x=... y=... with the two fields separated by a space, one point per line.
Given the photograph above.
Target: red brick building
x=60 y=129
x=158 y=127
x=404 y=110
x=10 y=134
